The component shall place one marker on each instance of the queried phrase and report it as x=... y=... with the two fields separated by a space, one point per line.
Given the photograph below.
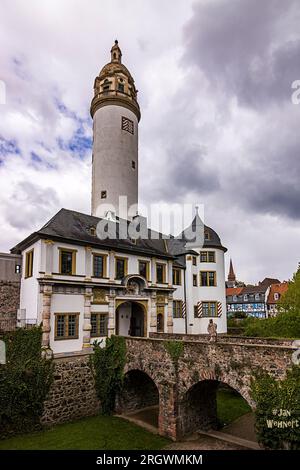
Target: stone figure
x=212 y=331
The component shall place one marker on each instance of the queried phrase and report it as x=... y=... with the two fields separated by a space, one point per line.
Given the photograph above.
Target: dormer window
x=206 y=235
x=93 y=231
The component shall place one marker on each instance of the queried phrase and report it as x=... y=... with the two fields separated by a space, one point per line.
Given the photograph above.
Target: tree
x=290 y=301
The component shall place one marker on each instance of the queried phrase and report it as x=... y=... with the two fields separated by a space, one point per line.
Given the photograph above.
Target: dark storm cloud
x=247 y=48
x=188 y=173
x=271 y=184
x=250 y=50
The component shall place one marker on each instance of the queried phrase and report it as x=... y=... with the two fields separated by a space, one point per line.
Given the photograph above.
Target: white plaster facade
x=68 y=293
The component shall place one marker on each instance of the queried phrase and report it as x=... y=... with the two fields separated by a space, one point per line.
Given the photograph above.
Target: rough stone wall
x=72 y=395
x=9 y=304
x=198 y=409
x=223 y=362
x=138 y=392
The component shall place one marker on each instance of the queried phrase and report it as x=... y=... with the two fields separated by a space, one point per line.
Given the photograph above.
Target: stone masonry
x=72 y=395
x=185 y=392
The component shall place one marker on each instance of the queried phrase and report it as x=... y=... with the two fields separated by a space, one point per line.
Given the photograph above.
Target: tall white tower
x=116 y=114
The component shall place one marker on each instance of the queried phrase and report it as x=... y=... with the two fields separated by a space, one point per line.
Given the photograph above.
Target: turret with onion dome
x=115 y=85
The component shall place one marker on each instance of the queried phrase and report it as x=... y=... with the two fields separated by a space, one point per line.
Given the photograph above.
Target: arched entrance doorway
x=211 y=405
x=139 y=398
x=131 y=319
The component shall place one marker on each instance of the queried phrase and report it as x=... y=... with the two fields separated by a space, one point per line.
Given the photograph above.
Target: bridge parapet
x=224 y=339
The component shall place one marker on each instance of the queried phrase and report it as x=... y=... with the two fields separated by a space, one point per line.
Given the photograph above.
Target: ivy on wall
x=25 y=381
x=174 y=349
x=278 y=409
x=108 y=369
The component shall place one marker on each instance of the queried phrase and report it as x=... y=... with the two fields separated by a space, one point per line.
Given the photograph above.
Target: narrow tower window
x=127 y=125
x=103 y=194
x=133 y=164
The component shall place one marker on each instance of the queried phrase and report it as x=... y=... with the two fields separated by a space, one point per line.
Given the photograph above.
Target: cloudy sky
x=218 y=124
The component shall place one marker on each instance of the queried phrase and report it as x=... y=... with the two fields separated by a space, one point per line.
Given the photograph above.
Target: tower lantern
x=116 y=113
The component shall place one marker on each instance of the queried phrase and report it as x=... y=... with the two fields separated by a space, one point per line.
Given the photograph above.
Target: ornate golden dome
x=115 y=85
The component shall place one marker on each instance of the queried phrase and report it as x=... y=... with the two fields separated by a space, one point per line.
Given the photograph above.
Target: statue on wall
x=212 y=331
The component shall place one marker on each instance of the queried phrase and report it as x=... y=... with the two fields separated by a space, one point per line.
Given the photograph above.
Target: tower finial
x=116 y=54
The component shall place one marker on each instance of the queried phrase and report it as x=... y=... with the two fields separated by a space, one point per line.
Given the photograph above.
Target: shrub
x=285 y=325
x=278 y=409
x=108 y=369
x=25 y=381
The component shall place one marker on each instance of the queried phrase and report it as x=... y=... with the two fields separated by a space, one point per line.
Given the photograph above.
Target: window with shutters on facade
x=209 y=309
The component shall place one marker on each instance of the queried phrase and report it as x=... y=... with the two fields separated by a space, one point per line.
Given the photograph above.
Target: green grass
x=230 y=406
x=95 y=433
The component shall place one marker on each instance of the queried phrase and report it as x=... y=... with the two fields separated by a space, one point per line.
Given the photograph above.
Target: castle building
x=84 y=287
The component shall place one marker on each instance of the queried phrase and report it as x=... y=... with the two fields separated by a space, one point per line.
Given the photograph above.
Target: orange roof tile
x=233 y=290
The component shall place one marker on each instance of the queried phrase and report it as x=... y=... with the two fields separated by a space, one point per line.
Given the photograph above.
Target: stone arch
x=197 y=406
x=139 y=391
x=141 y=312
x=230 y=378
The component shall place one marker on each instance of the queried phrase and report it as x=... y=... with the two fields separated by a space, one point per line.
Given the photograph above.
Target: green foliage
x=93 y=433
x=284 y=325
x=108 y=369
x=25 y=381
x=290 y=301
x=175 y=349
x=278 y=402
x=230 y=406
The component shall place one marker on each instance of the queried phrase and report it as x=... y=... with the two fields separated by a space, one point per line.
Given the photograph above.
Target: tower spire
x=231 y=274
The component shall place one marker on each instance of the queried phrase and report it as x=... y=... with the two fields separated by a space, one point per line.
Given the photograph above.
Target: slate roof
x=75 y=227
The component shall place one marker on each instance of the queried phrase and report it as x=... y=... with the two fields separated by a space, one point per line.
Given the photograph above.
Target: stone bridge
x=184 y=391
